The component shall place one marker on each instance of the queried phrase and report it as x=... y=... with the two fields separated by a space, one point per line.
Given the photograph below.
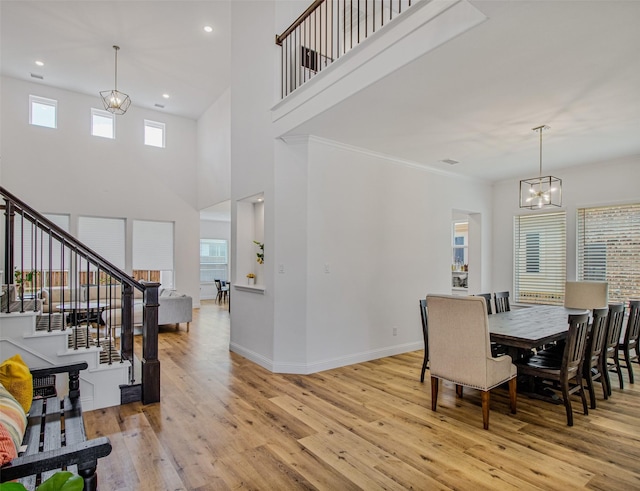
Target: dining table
x=523 y=329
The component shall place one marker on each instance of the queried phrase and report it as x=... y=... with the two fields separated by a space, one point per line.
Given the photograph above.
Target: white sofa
x=174 y=308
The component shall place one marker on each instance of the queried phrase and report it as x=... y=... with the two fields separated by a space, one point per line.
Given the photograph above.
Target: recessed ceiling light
x=166 y=96
x=208 y=29
x=39 y=63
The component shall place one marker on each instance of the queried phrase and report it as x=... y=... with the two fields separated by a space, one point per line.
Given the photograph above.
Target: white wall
x=66 y=170
x=382 y=229
x=214 y=164
x=254 y=59
x=603 y=184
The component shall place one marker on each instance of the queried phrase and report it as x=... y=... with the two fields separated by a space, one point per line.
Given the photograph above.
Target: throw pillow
x=12 y=417
x=8 y=450
x=17 y=379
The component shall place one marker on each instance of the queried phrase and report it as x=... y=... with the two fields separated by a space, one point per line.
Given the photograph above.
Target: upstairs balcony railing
x=326 y=31
x=71 y=287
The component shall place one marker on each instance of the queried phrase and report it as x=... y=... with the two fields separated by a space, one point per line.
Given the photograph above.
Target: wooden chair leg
x=583 y=396
x=459 y=390
x=486 y=399
x=567 y=403
x=616 y=360
x=627 y=359
x=592 y=392
x=603 y=379
x=424 y=366
x=513 y=395
x=435 y=382
x=605 y=376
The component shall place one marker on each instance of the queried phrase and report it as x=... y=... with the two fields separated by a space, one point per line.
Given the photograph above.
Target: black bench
x=55 y=437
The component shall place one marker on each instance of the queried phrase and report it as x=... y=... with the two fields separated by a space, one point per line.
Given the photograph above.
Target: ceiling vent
x=450 y=161
x=35 y=75
x=161 y=106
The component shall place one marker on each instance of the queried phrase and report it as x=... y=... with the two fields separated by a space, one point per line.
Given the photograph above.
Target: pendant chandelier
x=542 y=191
x=114 y=101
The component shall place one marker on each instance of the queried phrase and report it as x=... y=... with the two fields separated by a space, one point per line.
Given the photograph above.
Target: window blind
x=540 y=258
x=105 y=236
x=609 y=248
x=152 y=245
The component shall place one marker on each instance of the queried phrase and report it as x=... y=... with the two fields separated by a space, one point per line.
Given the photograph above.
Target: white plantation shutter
x=540 y=258
x=104 y=236
x=152 y=245
x=609 y=248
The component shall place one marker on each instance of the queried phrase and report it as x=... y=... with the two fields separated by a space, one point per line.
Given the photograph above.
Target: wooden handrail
x=298 y=21
x=70 y=241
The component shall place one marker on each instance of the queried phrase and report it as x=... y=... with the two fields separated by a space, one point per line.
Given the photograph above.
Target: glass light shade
x=115 y=102
x=540 y=192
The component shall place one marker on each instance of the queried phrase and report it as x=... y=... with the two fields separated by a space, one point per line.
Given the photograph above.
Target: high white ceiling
x=573 y=65
x=164 y=48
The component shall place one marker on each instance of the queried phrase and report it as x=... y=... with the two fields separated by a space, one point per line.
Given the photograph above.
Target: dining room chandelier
x=114 y=101
x=541 y=191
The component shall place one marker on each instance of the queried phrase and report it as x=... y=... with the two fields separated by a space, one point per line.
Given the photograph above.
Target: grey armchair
x=460 y=350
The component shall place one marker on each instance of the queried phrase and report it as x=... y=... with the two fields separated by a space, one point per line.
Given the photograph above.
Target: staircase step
x=110 y=352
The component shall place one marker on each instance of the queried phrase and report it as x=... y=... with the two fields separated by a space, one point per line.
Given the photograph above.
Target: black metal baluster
x=358 y=20
x=63 y=248
x=49 y=280
x=34 y=264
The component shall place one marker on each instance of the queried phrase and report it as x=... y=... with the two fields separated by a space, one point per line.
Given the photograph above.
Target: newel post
x=150 y=362
x=126 y=324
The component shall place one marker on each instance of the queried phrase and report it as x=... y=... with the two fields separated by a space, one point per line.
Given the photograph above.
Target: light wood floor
x=226 y=423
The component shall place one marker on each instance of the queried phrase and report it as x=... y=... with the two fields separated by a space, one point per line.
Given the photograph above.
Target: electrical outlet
x=326 y=268
x=395 y=331
x=281 y=268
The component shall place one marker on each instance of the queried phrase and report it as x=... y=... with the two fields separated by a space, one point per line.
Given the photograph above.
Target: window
x=609 y=248
x=154 y=133
x=540 y=258
x=43 y=112
x=214 y=260
x=153 y=251
x=103 y=123
x=105 y=236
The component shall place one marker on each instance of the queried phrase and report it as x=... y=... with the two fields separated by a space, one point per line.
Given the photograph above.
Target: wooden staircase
x=100 y=383
x=39 y=259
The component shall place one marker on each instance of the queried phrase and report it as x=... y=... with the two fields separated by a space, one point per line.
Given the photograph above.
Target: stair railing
x=327 y=30
x=49 y=271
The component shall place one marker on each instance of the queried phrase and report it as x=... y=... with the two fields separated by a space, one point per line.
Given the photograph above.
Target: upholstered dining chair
x=611 y=361
x=547 y=369
x=501 y=299
x=425 y=336
x=630 y=340
x=460 y=352
x=586 y=294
